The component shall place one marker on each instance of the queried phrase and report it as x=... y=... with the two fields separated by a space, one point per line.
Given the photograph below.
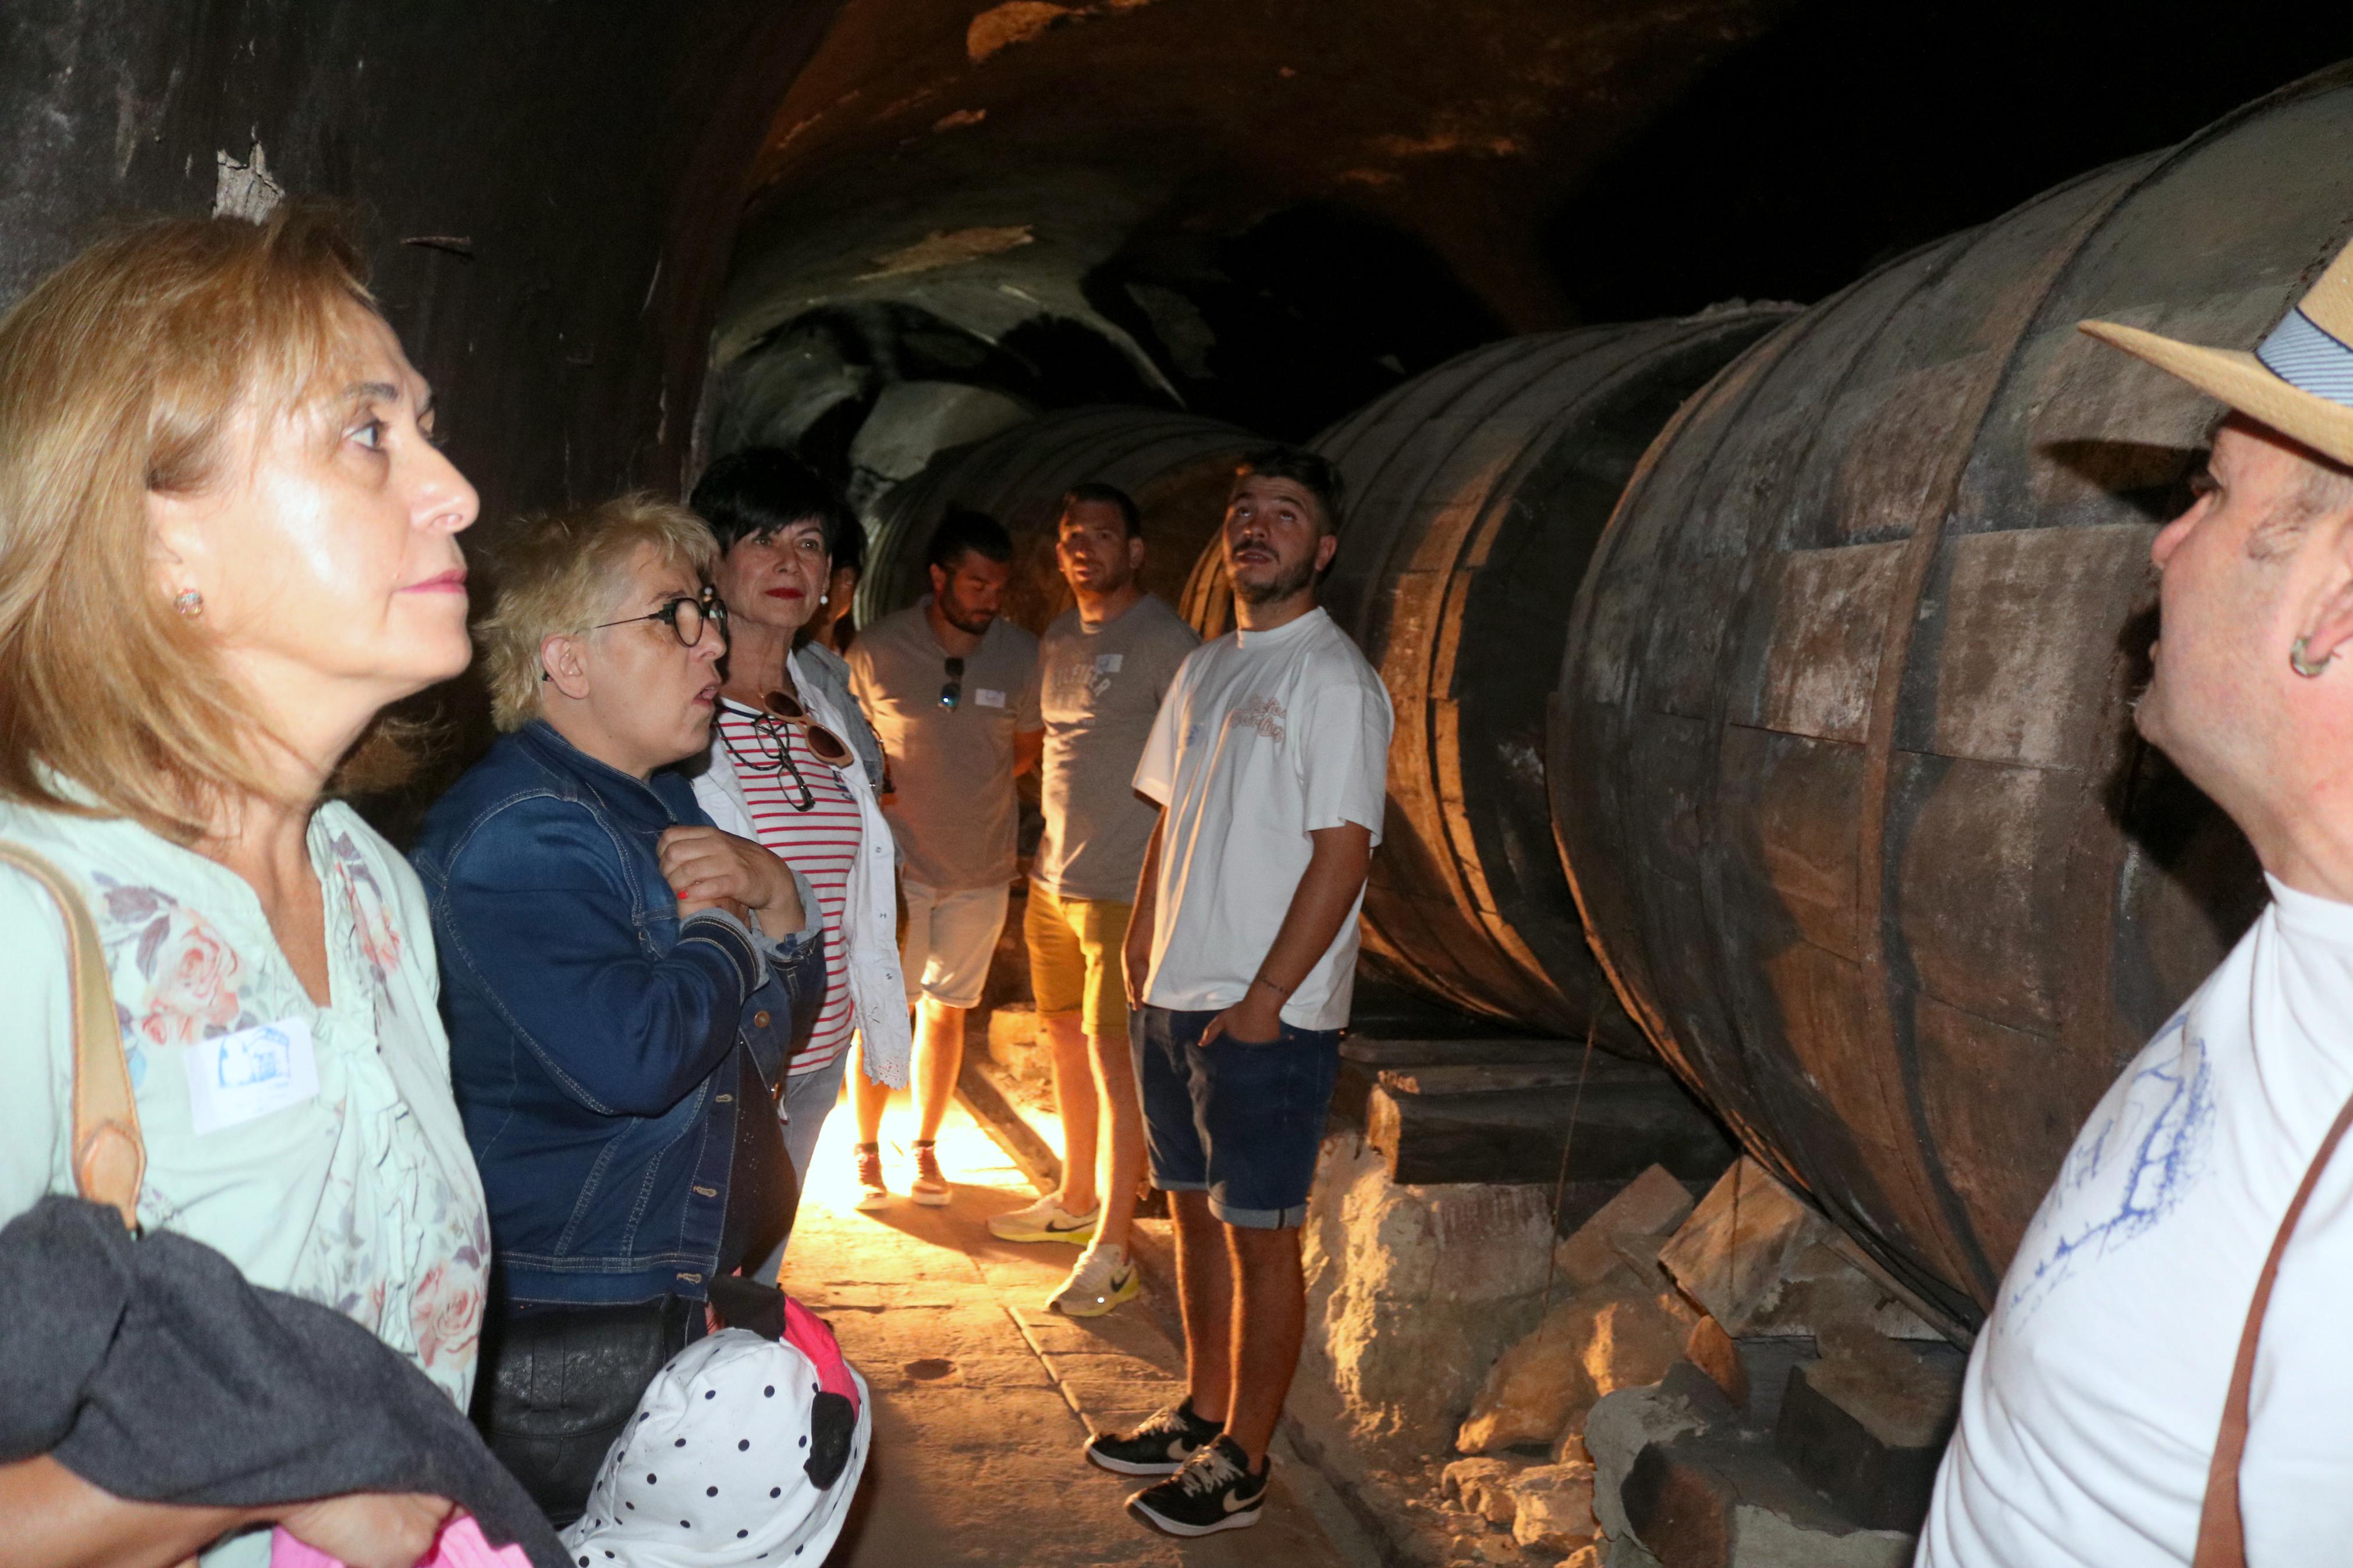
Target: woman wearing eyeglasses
x=794 y=765
x=622 y=981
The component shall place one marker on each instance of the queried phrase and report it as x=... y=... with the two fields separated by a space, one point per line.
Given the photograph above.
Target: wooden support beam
x=1363 y=1059
x=1623 y=1125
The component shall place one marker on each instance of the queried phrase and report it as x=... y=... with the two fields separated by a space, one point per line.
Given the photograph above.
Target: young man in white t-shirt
x=1268 y=759
x=2095 y=1395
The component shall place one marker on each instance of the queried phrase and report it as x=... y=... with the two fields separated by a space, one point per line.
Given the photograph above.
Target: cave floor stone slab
x=983 y=1399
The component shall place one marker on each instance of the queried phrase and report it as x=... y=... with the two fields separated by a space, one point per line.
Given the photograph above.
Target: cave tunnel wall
x=592 y=158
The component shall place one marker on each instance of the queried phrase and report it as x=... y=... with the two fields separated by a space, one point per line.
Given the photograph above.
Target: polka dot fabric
x=714 y=1469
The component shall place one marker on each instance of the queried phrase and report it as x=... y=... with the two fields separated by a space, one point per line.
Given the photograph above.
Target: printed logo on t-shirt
x=2131 y=1166
x=1263 y=714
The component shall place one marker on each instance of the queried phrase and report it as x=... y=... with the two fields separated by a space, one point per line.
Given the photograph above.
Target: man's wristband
x=1280 y=990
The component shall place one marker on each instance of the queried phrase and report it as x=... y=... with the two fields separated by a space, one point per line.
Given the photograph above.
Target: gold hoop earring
x=189 y=603
x=2295 y=662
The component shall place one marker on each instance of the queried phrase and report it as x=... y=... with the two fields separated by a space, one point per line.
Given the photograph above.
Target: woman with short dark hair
x=794 y=764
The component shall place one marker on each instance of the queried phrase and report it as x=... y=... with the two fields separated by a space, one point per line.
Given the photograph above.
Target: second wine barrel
x=1476 y=493
x=1842 y=759
x=1178 y=467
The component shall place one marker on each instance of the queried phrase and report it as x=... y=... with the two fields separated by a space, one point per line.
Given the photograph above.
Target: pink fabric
x=806 y=1332
x=459 y=1545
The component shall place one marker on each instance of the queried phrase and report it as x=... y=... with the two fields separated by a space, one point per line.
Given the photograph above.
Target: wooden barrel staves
x=1207 y=600
x=1476 y=493
x=1841 y=759
x=1178 y=466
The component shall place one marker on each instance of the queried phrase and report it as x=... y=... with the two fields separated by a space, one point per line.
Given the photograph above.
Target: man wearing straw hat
x=2167 y=1374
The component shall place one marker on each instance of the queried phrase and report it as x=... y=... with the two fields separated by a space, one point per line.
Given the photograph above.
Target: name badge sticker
x=233 y=1079
x=987 y=698
x=1108 y=662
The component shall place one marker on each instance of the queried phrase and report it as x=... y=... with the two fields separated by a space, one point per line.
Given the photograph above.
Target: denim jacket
x=593 y=1033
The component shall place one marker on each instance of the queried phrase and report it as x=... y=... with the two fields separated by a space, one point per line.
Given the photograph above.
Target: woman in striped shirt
x=794 y=765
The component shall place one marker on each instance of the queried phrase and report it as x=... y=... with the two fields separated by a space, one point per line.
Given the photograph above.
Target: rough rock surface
x=1483 y=1486
x=1413 y=1291
x=1013 y=1040
x=1555 y=1511
x=1625 y=1423
x=1764 y=1539
x=1583 y=1349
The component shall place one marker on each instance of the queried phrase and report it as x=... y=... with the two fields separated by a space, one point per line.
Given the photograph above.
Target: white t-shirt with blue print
x=2093 y=1400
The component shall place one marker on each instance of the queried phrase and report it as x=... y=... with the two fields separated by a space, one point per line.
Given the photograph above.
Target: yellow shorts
x=1074 y=960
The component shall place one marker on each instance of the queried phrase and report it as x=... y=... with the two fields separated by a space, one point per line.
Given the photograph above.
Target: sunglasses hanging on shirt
x=773 y=753
x=952 y=693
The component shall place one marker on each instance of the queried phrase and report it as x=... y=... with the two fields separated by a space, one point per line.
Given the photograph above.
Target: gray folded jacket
x=152 y=1369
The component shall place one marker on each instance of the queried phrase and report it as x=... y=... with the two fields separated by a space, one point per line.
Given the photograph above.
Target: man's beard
x=1282 y=586
x=972 y=623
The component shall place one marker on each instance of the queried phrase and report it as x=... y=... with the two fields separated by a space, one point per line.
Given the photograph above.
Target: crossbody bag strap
x=110 y=1161
x=2222 y=1530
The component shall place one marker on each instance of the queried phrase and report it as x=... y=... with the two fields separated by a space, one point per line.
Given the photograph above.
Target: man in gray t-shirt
x=953 y=692
x=1105 y=665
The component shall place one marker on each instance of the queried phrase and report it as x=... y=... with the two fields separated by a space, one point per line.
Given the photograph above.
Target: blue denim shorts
x=1241 y=1121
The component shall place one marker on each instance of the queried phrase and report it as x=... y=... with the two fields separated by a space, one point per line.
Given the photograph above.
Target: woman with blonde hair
x=624 y=983
x=227 y=540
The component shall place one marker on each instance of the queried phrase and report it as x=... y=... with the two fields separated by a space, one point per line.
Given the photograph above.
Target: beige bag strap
x=2222 y=1531
x=110 y=1161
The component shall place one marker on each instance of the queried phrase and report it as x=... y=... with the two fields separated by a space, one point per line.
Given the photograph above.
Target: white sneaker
x=1046 y=1220
x=1101 y=1280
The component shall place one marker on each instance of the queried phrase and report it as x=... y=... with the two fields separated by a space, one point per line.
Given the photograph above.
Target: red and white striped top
x=820 y=843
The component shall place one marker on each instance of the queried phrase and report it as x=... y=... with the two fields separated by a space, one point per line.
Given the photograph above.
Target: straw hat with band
x=2299 y=380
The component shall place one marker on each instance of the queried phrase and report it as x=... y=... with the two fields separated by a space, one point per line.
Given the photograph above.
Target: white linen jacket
x=870 y=907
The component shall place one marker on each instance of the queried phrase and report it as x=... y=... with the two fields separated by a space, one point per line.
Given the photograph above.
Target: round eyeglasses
x=685 y=616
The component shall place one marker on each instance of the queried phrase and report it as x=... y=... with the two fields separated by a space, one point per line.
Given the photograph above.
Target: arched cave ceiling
x=1268 y=211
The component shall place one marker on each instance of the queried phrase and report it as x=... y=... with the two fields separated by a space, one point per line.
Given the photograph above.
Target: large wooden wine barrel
x=1207 y=600
x=1476 y=493
x=1841 y=758
x=1178 y=466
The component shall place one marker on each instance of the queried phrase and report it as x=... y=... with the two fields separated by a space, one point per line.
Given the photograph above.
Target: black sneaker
x=1158 y=1448
x=1214 y=1491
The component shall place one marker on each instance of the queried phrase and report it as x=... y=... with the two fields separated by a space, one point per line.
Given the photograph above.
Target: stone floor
x=983 y=1398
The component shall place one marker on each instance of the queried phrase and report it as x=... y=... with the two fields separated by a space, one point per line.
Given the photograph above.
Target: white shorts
x=950 y=937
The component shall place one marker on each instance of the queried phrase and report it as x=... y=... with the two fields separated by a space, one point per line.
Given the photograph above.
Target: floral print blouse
x=360 y=1196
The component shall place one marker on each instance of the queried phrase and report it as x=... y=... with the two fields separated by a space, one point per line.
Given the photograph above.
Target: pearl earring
x=825 y=598
x=188 y=602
